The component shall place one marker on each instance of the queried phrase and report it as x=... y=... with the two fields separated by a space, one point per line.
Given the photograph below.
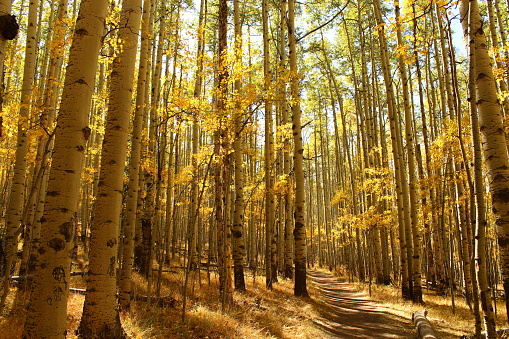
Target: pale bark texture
x=100 y=312
x=239 y=251
x=134 y=166
x=299 y=232
x=287 y=196
x=14 y=212
x=46 y=314
x=222 y=171
x=268 y=151
x=495 y=156
x=412 y=179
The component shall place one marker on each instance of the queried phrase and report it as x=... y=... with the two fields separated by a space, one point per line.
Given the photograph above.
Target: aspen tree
x=287 y=201
x=142 y=236
x=34 y=207
x=405 y=261
x=412 y=180
x=300 y=256
x=495 y=155
x=426 y=196
x=170 y=189
x=480 y=217
x=46 y=314
x=222 y=166
x=192 y=228
x=193 y=206
x=268 y=151
x=134 y=165
x=14 y=208
x=100 y=312
x=238 y=214
x=151 y=179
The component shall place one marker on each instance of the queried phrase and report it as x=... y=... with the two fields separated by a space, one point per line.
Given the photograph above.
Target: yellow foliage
x=185 y=175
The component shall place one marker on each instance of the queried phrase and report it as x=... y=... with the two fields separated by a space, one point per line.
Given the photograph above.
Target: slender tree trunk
x=221 y=179
x=412 y=179
x=134 y=166
x=100 y=313
x=46 y=314
x=269 y=155
x=405 y=241
x=14 y=210
x=495 y=156
x=238 y=214
x=300 y=286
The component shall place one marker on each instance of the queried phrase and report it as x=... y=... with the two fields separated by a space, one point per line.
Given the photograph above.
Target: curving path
x=345 y=313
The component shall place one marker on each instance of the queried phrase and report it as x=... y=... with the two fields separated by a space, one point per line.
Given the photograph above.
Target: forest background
x=228 y=135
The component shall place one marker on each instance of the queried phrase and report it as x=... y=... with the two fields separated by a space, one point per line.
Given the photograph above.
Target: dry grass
x=447 y=323
x=258 y=313
x=11 y=323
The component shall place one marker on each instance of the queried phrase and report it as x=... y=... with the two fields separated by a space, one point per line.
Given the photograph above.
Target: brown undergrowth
x=257 y=313
x=448 y=323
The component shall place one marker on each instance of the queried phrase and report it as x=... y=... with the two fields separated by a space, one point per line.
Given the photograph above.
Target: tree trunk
x=495 y=155
x=299 y=233
x=14 y=209
x=100 y=313
x=238 y=214
x=134 y=167
x=46 y=314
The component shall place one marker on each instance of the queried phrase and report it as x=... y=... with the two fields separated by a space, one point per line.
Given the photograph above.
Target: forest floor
x=347 y=313
x=335 y=309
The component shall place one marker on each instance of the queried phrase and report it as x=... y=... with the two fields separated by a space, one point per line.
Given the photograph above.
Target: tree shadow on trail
x=346 y=313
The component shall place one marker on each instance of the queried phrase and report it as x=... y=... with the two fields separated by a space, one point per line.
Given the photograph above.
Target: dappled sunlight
x=346 y=313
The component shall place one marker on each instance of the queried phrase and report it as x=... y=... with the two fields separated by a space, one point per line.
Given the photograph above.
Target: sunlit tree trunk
x=134 y=166
x=495 y=156
x=193 y=206
x=268 y=152
x=412 y=179
x=406 y=270
x=14 y=209
x=46 y=314
x=100 y=313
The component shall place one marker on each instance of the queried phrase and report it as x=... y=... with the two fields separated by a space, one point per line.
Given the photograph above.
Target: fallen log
x=164 y=301
x=423 y=326
x=30 y=277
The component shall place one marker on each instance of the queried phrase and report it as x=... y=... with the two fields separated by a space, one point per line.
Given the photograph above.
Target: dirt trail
x=346 y=313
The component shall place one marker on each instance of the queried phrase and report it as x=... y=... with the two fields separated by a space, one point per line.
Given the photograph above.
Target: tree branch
x=324 y=24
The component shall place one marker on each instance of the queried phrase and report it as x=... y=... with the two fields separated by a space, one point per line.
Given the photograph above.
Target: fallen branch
x=166 y=301
x=423 y=326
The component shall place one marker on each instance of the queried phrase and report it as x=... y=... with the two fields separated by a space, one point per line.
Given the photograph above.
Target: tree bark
x=46 y=314
x=493 y=142
x=14 y=209
x=100 y=313
x=299 y=232
x=134 y=166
